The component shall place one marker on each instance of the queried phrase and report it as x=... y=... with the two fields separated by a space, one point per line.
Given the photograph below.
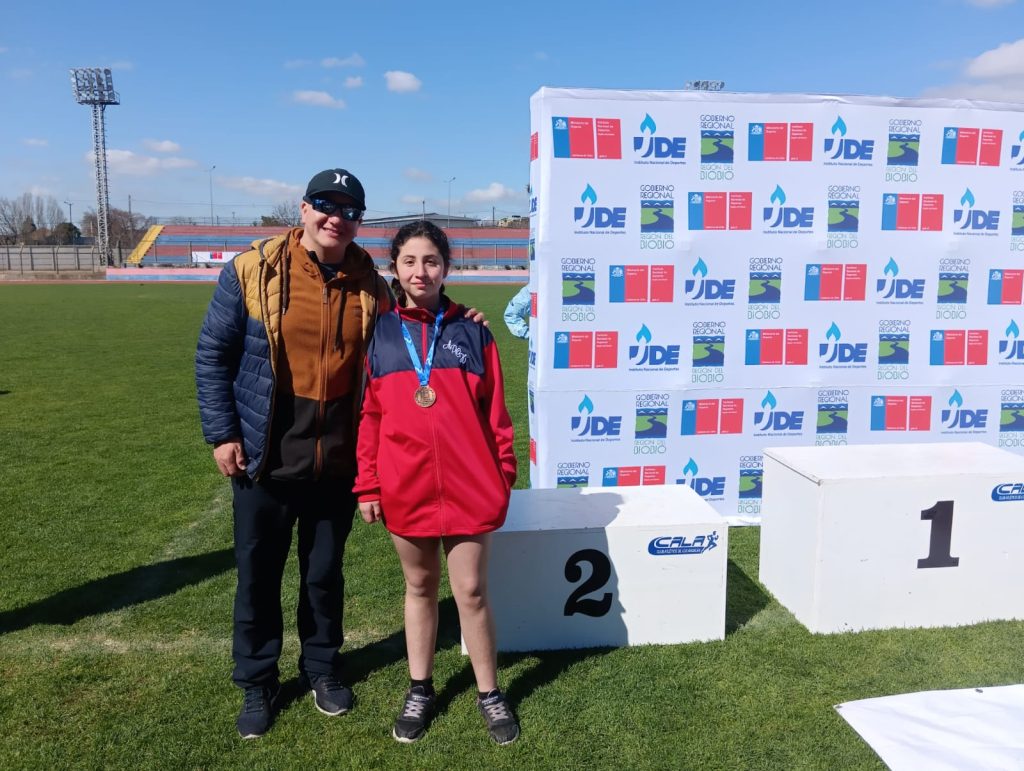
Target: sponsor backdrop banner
x=718 y=273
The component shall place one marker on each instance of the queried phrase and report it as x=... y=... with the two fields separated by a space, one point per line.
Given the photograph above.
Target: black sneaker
x=257 y=710
x=415 y=715
x=501 y=721
x=330 y=697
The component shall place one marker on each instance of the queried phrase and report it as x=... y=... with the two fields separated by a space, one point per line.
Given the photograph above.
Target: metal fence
x=21 y=258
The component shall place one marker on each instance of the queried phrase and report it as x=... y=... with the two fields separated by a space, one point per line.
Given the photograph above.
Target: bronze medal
x=425 y=396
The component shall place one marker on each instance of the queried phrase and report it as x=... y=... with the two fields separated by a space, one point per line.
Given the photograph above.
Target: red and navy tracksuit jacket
x=445 y=469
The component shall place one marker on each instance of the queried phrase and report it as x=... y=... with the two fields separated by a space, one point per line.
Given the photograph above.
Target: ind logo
x=646 y=355
x=588 y=424
x=957 y=418
x=771 y=419
x=832 y=351
x=778 y=215
x=1017 y=152
x=838 y=147
x=598 y=217
x=891 y=287
x=649 y=145
x=970 y=218
x=700 y=287
x=1011 y=347
x=704 y=486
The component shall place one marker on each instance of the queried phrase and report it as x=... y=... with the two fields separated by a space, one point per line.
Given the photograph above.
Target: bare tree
x=123 y=228
x=285 y=214
x=29 y=218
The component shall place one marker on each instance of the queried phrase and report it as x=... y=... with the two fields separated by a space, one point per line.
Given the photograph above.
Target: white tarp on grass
x=971 y=728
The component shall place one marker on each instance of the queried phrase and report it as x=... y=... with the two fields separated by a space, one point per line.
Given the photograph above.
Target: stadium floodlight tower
x=94 y=86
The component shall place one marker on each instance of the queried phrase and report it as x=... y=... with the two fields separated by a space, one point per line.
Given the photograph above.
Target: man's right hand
x=230 y=457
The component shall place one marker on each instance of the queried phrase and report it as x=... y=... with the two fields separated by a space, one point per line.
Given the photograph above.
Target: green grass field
x=116 y=586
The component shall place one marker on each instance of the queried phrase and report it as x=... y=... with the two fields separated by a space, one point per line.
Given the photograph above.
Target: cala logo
x=703 y=486
x=891 y=287
x=778 y=215
x=769 y=418
x=970 y=218
x=644 y=354
x=832 y=351
x=1011 y=347
x=956 y=417
x=700 y=287
x=847 y=149
x=649 y=145
x=590 y=215
x=588 y=424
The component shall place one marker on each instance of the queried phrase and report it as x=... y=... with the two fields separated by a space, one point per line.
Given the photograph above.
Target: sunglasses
x=330 y=208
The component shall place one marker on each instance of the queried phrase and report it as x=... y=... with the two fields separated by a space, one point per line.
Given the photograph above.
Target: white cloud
x=992 y=91
x=34 y=142
x=402 y=82
x=318 y=99
x=133 y=164
x=354 y=81
x=161 y=145
x=1006 y=61
x=493 y=193
x=989 y=3
x=268 y=188
x=295 y=64
x=355 y=60
x=995 y=75
x=419 y=175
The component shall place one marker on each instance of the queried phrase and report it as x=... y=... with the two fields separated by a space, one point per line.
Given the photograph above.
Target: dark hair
x=418 y=229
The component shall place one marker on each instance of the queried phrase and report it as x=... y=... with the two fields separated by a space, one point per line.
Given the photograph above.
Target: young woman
x=436 y=466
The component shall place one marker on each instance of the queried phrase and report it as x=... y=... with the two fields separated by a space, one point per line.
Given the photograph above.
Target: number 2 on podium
x=600 y=572
x=941 y=517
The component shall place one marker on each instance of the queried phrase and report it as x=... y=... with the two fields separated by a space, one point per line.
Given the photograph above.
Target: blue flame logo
x=586 y=406
x=589 y=196
x=778 y=196
x=770 y=401
x=956 y=400
x=839 y=127
x=647 y=125
x=1013 y=330
x=690 y=468
x=967 y=199
x=891 y=268
x=644 y=335
x=833 y=333
x=700 y=268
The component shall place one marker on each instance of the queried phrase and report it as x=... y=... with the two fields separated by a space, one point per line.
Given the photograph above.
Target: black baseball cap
x=337 y=181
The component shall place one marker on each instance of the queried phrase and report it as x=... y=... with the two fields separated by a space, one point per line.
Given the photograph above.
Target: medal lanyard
x=422 y=370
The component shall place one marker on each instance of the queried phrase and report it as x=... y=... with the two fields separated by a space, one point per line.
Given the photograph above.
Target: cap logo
x=338 y=179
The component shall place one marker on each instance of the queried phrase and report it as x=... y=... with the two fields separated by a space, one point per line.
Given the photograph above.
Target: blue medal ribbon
x=422 y=370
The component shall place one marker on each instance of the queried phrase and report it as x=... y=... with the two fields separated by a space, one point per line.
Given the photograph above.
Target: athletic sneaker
x=330 y=696
x=501 y=722
x=415 y=715
x=257 y=710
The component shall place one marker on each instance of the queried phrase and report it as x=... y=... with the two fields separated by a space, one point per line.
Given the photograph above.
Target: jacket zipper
x=437 y=449
x=324 y=336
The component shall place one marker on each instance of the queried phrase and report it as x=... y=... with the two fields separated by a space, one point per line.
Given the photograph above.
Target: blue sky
x=408 y=95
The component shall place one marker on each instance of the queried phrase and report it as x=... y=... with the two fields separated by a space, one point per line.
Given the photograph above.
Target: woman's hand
x=370 y=511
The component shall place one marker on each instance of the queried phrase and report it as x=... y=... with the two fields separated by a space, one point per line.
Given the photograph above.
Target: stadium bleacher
x=472 y=248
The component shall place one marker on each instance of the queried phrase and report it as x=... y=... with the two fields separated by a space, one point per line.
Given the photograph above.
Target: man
x=278 y=371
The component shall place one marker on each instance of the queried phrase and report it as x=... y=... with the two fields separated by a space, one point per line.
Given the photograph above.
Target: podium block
x=589 y=567
x=883 y=536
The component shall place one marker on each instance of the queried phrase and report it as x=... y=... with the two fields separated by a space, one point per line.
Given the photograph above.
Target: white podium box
x=599 y=566
x=881 y=536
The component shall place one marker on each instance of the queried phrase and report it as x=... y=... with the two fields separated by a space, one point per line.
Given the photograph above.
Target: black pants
x=266 y=513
